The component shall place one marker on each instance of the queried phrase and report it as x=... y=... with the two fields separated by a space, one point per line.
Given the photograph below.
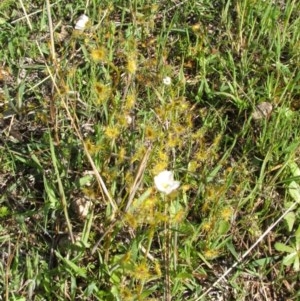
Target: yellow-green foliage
x=5 y=4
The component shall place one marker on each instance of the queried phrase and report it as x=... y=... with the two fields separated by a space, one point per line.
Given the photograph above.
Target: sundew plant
x=149 y=150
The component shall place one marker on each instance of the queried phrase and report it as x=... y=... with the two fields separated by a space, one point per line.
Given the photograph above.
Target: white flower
x=81 y=22
x=165 y=183
x=167 y=81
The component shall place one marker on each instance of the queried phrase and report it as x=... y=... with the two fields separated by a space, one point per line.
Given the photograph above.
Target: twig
x=51 y=30
x=86 y=5
x=176 y=5
x=138 y=178
x=168 y=295
x=33 y=13
x=248 y=251
x=26 y=15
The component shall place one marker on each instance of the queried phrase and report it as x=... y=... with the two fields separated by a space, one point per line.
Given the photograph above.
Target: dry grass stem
x=26 y=15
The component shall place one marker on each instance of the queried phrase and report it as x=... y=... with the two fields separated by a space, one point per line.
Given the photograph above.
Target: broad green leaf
x=115 y=278
x=223 y=227
x=232 y=250
x=2 y=21
x=297 y=235
x=296 y=265
x=115 y=292
x=184 y=275
x=295 y=170
x=290 y=219
x=92 y=287
x=4 y=211
x=294 y=191
x=87 y=229
x=214 y=172
x=175 y=207
x=85 y=180
x=262 y=262
x=289 y=259
x=138 y=202
x=74 y=267
x=283 y=248
x=204 y=260
x=148 y=292
x=50 y=194
x=35 y=159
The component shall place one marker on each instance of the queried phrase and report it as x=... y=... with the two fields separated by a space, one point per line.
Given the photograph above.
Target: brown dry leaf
x=5 y=75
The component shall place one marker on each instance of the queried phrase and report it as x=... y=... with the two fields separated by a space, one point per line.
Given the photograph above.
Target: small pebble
x=262 y=110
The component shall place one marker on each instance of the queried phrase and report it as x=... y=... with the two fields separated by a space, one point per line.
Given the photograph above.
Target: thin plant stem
x=51 y=31
x=61 y=191
x=26 y=15
x=247 y=252
x=138 y=179
x=167 y=251
x=99 y=179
